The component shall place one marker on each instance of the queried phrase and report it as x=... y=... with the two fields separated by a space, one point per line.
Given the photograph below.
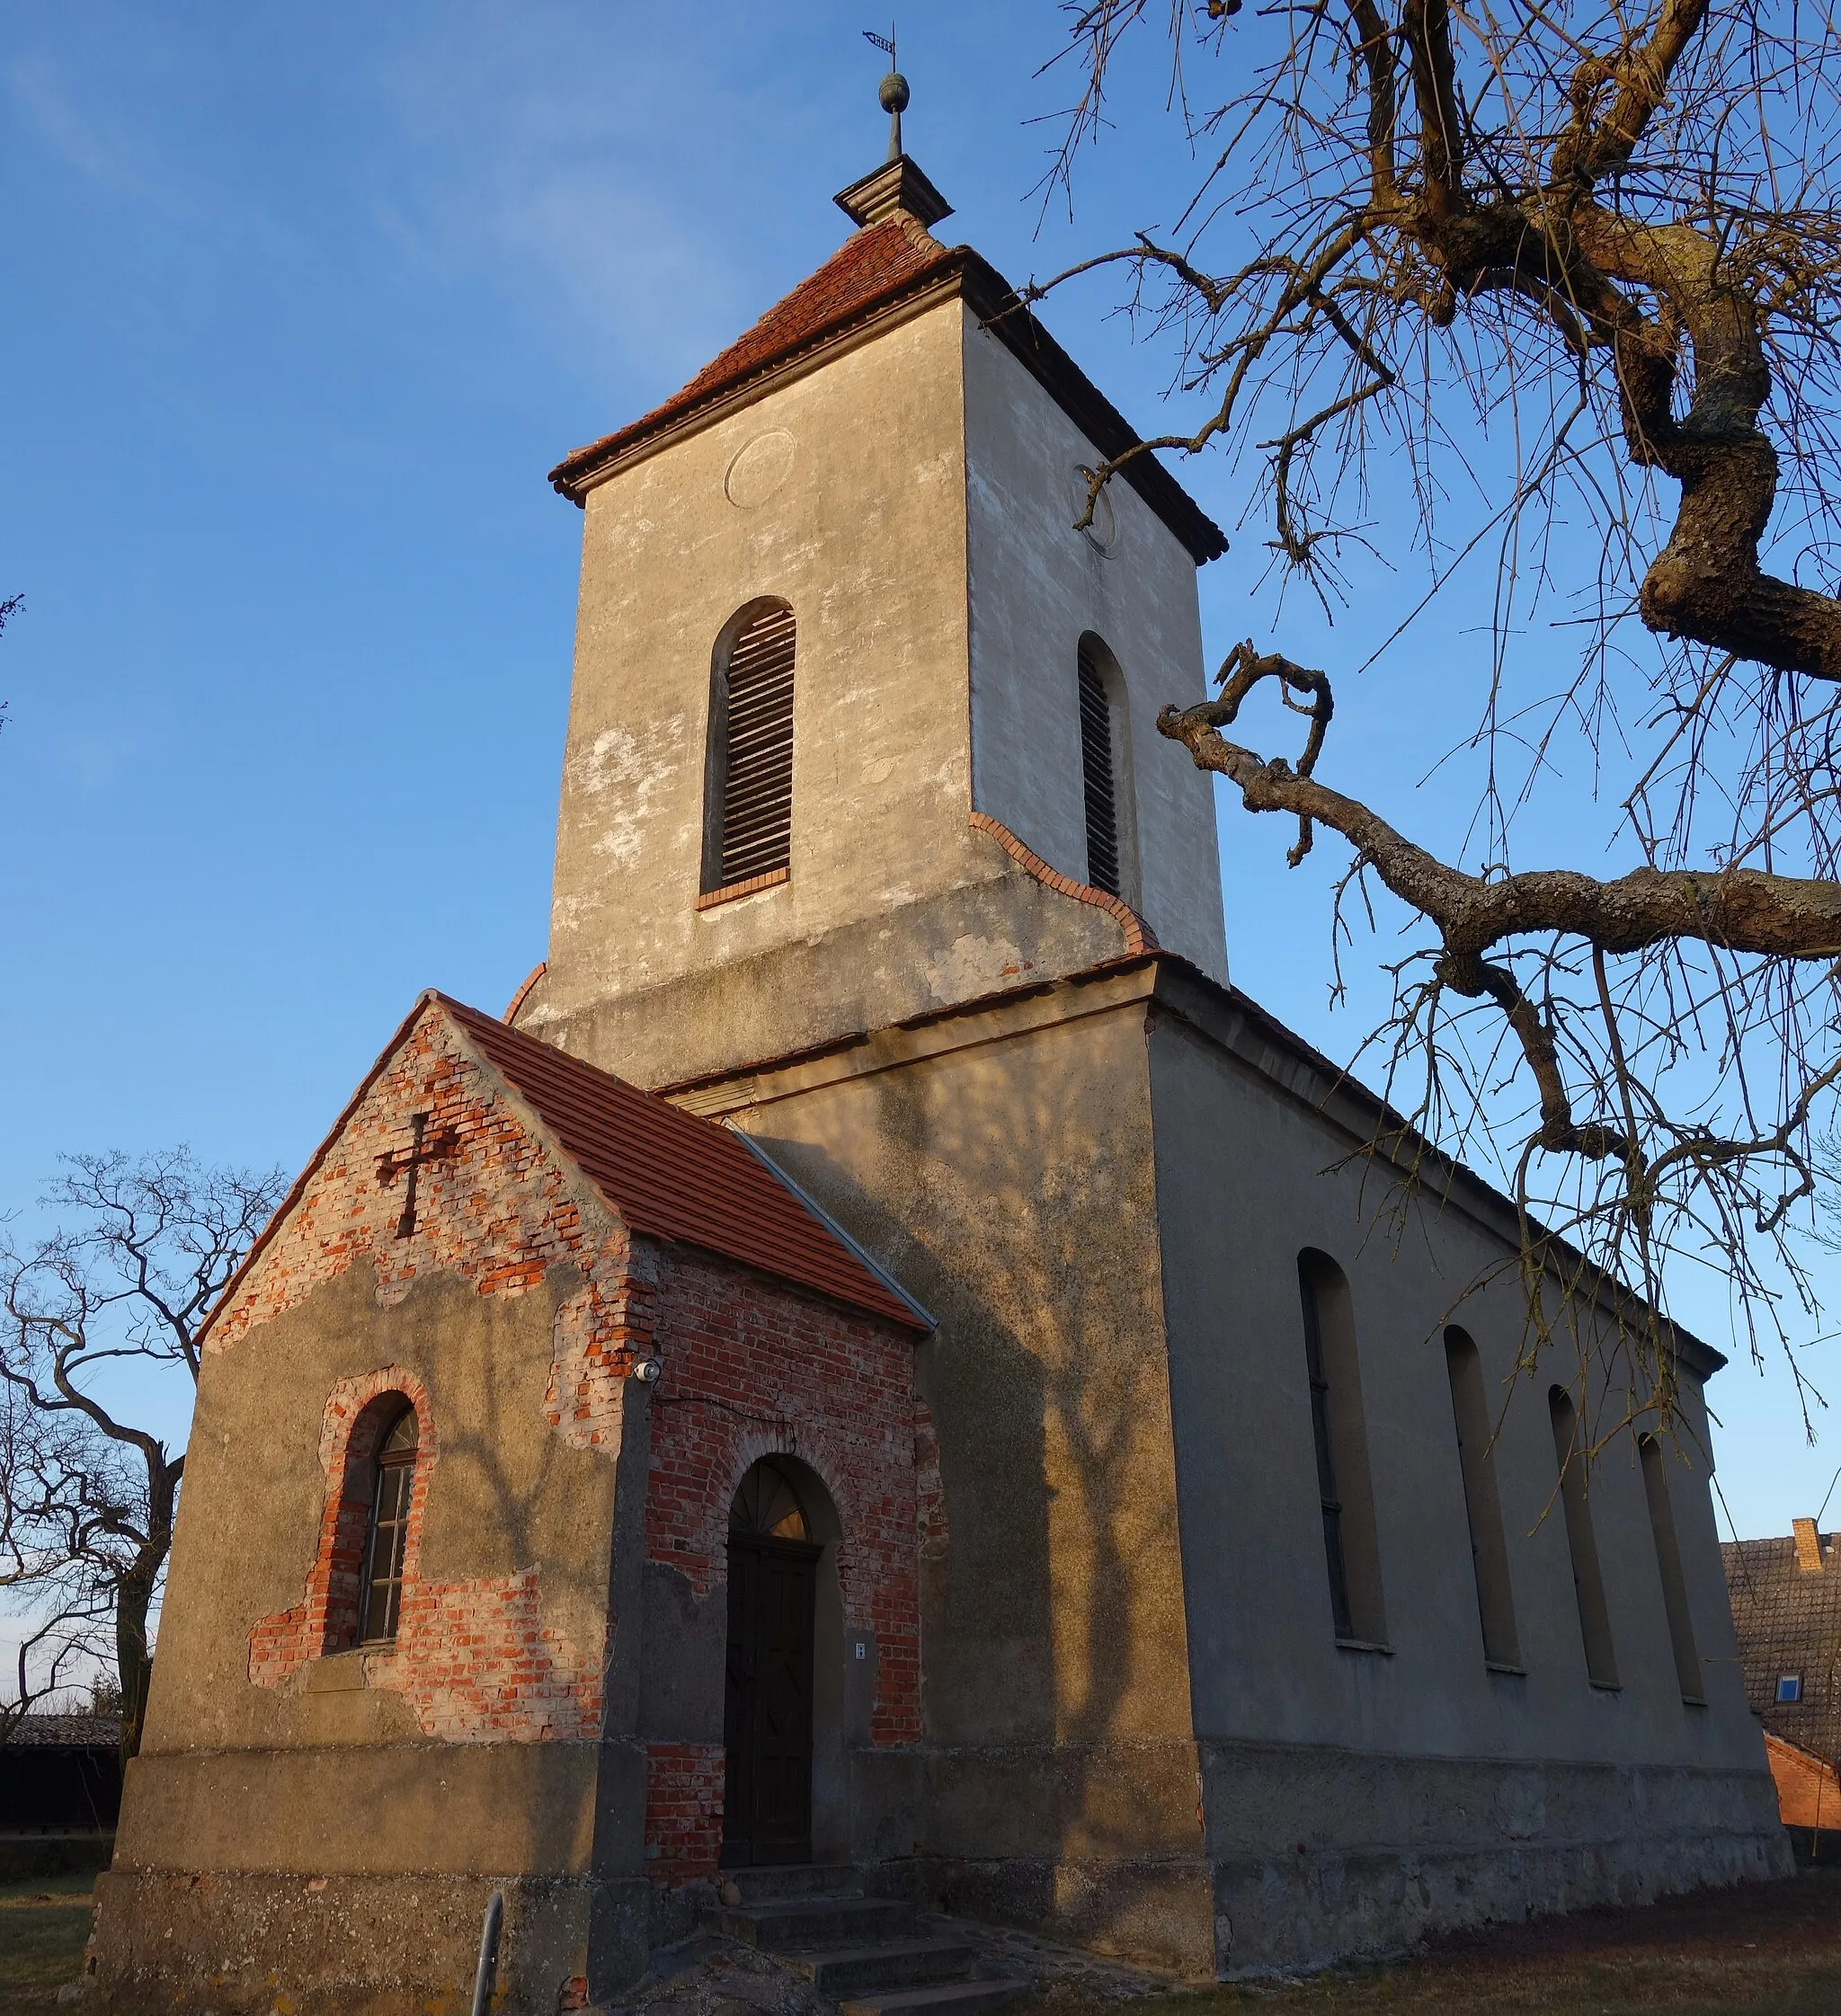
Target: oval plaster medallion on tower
x=1104 y=529
x=760 y=468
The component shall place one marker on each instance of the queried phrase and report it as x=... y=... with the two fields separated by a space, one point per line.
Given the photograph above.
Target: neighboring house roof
x=67 y=1732
x=1788 y=1618
x=883 y=271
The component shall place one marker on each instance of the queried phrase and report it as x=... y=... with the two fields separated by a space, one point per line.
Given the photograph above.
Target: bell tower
x=862 y=726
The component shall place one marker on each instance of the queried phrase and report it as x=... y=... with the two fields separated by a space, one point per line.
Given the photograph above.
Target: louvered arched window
x=748 y=829
x=1104 y=770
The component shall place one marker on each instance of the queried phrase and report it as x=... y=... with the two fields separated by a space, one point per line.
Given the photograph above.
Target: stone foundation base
x=359 y=1945
x=1271 y=1917
x=1159 y=1913
x=1321 y=1854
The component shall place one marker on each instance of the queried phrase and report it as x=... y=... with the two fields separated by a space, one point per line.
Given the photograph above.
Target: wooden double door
x=766 y=1711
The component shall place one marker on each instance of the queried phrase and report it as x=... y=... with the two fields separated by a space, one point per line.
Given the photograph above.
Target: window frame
x=1100 y=698
x=1597 y=1638
x=1482 y=1502
x=1662 y=1531
x=771 y=863
x=391 y=1469
x=1338 y=1433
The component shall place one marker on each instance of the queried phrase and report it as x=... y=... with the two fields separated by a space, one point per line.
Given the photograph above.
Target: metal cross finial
x=893 y=92
x=392 y=1165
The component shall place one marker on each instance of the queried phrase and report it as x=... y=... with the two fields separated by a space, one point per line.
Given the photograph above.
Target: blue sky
x=302 y=305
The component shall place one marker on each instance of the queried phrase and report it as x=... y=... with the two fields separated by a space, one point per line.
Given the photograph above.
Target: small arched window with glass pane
x=384 y=1545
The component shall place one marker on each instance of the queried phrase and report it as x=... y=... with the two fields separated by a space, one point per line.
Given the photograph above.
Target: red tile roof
x=871 y=274
x=870 y=271
x=867 y=272
x=673 y=1176
x=669 y=1174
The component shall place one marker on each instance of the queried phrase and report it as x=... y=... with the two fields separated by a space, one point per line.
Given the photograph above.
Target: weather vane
x=894 y=91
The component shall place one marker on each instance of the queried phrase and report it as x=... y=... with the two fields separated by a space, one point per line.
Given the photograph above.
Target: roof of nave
x=1788 y=1618
x=668 y=1173
x=883 y=272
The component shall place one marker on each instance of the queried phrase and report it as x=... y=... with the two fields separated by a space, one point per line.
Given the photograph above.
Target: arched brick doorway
x=774 y=1554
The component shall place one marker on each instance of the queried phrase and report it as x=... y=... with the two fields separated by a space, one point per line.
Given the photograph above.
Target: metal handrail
x=488 y=1952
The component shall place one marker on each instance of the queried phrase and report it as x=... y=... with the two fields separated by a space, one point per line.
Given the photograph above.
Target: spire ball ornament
x=893 y=90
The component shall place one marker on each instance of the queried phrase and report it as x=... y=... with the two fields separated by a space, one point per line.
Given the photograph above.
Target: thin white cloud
x=554 y=147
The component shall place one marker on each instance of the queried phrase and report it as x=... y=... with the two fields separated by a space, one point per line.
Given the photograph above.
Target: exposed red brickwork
x=929 y=1492
x=1809 y=1794
x=473 y=1659
x=754 y=1370
x=754 y=1367
x=771 y=879
x=476 y=1663
x=523 y=993
x=683 y=1810
x=326 y=1619
x=1139 y=935
x=499 y=1211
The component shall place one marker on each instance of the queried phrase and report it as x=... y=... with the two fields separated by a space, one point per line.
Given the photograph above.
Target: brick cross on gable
x=396 y=1161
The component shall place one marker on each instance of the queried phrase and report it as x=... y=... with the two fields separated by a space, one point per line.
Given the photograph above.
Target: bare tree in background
x=50 y=1537
x=119 y=1290
x=1569 y=264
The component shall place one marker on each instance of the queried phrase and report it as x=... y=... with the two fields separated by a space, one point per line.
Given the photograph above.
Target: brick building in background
x=880 y=1360
x=1786 y=1607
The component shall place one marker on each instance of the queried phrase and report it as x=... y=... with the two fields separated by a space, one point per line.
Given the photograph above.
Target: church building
x=882 y=1363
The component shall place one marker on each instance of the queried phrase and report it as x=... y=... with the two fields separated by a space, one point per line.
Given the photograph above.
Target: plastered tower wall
x=1035 y=584
x=912 y=501
x=850 y=482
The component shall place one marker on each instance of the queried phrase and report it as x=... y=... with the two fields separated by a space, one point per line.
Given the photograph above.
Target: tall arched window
x=1470 y=1409
x=749 y=820
x=1687 y=1657
x=389 y=1530
x=1106 y=770
x=1581 y=1541
x=1351 y=1545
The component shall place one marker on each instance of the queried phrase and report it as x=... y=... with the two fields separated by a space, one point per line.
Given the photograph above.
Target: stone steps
x=863 y=1952
x=896 y=1963
x=959 y=1998
x=797 y=1924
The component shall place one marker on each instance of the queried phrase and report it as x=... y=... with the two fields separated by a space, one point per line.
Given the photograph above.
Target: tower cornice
x=887 y=274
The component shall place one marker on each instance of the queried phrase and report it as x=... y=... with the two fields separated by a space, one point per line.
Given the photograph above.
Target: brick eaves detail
x=523 y=993
x=731 y=890
x=1140 y=937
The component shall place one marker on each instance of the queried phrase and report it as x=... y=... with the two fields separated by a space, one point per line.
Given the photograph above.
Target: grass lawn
x=43 y=1925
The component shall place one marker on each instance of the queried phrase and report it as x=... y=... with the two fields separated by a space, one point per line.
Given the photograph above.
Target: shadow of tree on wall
x=1012 y=1189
